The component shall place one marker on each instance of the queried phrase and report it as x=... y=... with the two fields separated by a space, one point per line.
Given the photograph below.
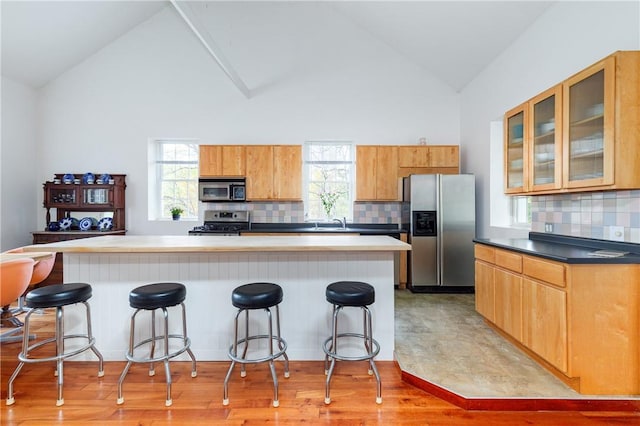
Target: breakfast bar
x=212 y=266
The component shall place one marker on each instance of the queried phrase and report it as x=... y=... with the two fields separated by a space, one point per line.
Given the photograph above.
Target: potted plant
x=176 y=212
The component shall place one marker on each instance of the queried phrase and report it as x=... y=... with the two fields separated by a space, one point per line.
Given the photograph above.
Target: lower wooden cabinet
x=485 y=290
x=508 y=302
x=580 y=321
x=544 y=322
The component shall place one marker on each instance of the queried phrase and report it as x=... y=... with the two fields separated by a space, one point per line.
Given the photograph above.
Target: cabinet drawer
x=509 y=260
x=485 y=253
x=545 y=270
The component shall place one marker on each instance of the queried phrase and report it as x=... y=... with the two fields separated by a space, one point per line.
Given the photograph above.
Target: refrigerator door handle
x=439 y=217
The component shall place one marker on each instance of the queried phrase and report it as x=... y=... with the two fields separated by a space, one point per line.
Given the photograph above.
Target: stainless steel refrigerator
x=441 y=214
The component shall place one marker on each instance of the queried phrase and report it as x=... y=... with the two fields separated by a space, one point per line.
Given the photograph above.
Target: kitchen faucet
x=342 y=222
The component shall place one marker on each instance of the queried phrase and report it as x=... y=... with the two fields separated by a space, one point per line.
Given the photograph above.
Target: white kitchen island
x=212 y=266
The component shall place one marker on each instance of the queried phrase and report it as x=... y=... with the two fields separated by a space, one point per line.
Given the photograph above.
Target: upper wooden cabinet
x=379 y=167
x=533 y=147
x=418 y=159
x=593 y=141
x=222 y=160
x=274 y=172
x=514 y=150
x=287 y=172
x=544 y=152
x=428 y=156
x=376 y=173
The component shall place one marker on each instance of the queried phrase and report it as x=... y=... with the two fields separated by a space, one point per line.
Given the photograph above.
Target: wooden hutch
x=69 y=199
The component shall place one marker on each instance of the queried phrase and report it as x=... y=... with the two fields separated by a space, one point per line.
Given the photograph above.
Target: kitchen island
x=212 y=266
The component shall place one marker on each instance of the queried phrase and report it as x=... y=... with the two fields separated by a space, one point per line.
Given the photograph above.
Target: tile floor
x=442 y=339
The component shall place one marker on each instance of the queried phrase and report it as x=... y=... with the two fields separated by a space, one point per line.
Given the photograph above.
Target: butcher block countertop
x=206 y=244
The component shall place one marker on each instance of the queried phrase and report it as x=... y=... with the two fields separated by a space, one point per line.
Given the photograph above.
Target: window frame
x=521 y=209
x=156 y=163
x=306 y=180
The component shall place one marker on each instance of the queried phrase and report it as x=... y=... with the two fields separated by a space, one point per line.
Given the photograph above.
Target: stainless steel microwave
x=221 y=189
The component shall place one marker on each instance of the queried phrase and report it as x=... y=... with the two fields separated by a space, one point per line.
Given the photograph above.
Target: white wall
x=20 y=183
x=158 y=81
x=569 y=36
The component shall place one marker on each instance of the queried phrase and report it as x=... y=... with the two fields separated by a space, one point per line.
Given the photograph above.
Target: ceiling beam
x=187 y=14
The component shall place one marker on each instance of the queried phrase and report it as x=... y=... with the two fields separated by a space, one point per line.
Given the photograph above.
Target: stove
x=222 y=222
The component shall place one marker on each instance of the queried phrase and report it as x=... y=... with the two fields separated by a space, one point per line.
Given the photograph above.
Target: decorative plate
x=65 y=223
x=105 y=224
x=75 y=223
x=53 y=226
x=88 y=178
x=105 y=178
x=68 y=178
x=85 y=224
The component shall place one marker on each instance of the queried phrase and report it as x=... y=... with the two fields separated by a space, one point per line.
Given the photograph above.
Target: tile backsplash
x=293 y=212
x=589 y=214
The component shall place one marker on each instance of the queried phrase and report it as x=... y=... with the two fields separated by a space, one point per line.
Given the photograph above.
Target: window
x=174 y=179
x=328 y=180
x=521 y=211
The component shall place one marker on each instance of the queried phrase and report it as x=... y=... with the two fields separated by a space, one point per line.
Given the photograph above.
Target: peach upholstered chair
x=41 y=271
x=14 y=281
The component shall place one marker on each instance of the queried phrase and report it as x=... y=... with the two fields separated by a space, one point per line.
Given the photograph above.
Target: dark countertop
x=360 y=228
x=567 y=249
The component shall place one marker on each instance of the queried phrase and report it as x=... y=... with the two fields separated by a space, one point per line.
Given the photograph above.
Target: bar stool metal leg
x=351 y=294
x=40 y=299
x=150 y=298
x=281 y=345
x=253 y=297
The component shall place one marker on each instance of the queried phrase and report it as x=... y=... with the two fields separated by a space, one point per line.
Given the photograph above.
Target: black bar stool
x=149 y=298
x=250 y=297
x=351 y=294
x=56 y=296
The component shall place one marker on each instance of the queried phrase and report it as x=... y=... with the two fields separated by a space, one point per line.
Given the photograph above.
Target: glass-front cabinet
x=97 y=196
x=589 y=126
x=545 y=147
x=581 y=135
x=514 y=133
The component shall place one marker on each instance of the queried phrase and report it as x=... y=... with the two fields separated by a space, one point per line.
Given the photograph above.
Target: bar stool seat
x=357 y=294
x=56 y=296
x=151 y=297
x=249 y=297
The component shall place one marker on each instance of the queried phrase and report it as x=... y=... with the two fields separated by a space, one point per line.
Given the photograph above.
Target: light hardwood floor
x=198 y=401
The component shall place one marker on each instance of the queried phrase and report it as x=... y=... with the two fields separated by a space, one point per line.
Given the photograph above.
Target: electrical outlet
x=616 y=233
x=548 y=227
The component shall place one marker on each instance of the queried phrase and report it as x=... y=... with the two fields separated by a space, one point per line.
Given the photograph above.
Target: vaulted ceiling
x=452 y=40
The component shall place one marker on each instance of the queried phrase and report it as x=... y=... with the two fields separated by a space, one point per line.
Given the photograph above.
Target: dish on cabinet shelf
x=547 y=127
x=544 y=156
x=67 y=178
x=516 y=164
x=88 y=178
x=597 y=109
x=543 y=180
x=65 y=223
x=105 y=178
x=105 y=224
x=86 y=223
